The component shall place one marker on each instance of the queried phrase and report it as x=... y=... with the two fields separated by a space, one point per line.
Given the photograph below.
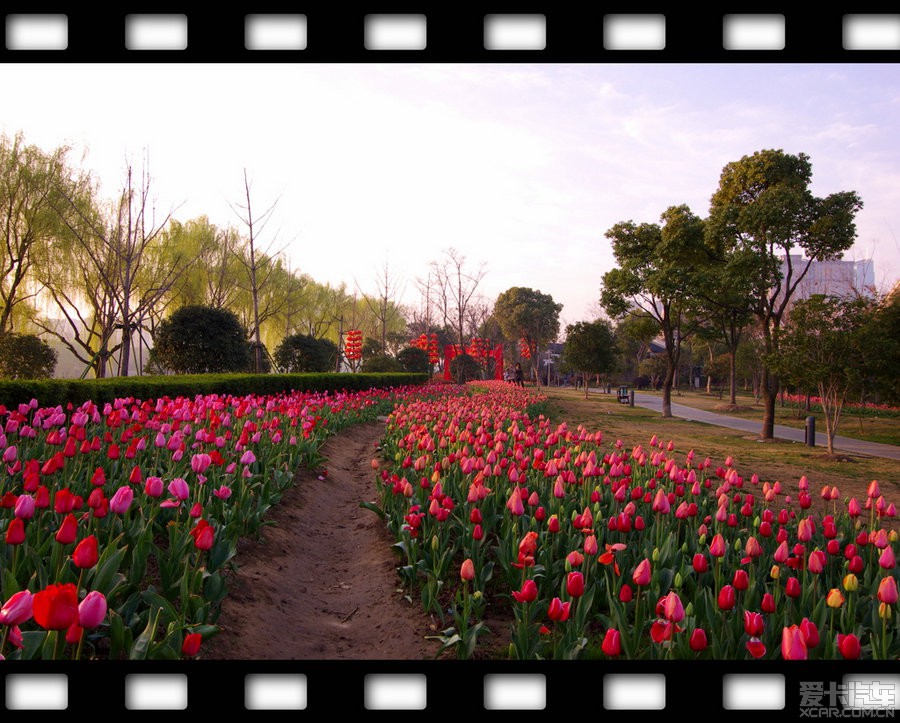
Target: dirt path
x=322 y=584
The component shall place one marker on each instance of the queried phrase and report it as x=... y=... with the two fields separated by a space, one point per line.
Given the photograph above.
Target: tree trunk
x=585 y=381
x=668 y=381
x=769 y=391
x=732 y=377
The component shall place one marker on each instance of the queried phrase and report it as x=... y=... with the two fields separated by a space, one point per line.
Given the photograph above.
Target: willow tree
x=764 y=208
x=30 y=184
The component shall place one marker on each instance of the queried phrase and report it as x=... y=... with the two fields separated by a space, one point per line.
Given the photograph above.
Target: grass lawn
x=871 y=426
x=774 y=460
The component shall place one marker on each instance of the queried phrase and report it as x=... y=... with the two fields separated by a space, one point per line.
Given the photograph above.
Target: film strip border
x=450 y=35
x=817 y=690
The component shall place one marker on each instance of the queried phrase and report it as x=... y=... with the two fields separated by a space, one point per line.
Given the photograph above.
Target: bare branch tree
x=455 y=285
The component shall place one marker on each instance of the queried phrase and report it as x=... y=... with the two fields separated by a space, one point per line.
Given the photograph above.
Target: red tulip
x=63 y=501
x=816 y=562
x=642 y=573
x=849 y=646
x=717 y=546
x=810 y=633
x=753 y=624
x=698 y=640
x=700 y=563
x=741 y=581
x=86 y=553
x=56 y=606
x=191 y=645
x=768 y=603
x=625 y=593
x=575 y=584
x=528 y=593
x=73 y=634
x=558 y=610
x=792 y=588
x=68 y=530
x=793 y=644
x=612 y=643
x=203 y=535
x=726 y=597
x=756 y=647
x=15 y=532
x=477 y=532
x=18 y=609
x=672 y=608
x=553 y=523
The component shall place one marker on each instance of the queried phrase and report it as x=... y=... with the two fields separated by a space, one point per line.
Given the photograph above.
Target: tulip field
x=594 y=549
x=120 y=524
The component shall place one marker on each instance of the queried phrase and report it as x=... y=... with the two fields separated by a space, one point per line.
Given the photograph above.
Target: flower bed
x=119 y=520
x=597 y=550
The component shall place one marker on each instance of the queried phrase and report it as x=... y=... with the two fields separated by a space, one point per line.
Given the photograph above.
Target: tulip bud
x=467 y=570
x=834 y=598
x=775 y=572
x=698 y=640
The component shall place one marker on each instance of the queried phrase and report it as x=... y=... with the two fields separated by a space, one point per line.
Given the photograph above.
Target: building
x=833 y=278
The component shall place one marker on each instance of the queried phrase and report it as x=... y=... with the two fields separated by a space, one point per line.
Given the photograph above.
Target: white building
x=832 y=278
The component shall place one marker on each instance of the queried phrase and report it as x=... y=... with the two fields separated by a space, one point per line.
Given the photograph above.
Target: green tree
x=30 y=183
x=658 y=267
x=633 y=336
x=464 y=368
x=413 y=359
x=381 y=363
x=304 y=353
x=25 y=356
x=528 y=314
x=590 y=348
x=201 y=340
x=823 y=346
x=764 y=208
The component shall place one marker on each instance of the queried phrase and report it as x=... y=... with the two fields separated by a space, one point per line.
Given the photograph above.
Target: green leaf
x=374 y=508
x=153 y=599
x=108 y=578
x=32 y=642
x=141 y=647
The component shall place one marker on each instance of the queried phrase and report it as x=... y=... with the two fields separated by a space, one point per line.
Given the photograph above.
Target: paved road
x=845 y=444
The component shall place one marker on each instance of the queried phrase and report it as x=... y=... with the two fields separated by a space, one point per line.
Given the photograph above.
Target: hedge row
x=51 y=392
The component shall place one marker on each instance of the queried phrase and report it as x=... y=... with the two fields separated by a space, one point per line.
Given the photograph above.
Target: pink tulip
x=24 y=509
x=793 y=643
x=178 y=488
x=120 y=502
x=153 y=487
x=18 y=609
x=223 y=493
x=92 y=610
x=717 y=546
x=248 y=457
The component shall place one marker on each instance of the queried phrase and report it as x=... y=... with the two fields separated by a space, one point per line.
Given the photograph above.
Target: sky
x=520 y=168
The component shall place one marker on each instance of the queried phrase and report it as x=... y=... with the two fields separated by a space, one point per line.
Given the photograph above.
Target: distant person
x=520 y=381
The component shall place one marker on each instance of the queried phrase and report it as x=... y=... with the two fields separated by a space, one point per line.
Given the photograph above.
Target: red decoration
x=353 y=345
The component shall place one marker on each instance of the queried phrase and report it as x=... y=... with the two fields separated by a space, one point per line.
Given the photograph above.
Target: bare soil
x=321 y=583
